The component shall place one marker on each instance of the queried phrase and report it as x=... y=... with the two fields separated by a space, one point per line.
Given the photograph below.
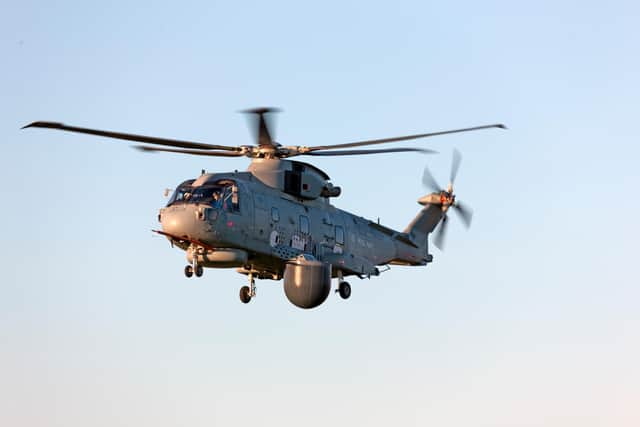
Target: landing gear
x=194 y=267
x=188 y=271
x=344 y=289
x=245 y=294
x=248 y=292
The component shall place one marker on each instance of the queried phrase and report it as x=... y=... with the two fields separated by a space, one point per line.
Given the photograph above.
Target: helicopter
x=276 y=221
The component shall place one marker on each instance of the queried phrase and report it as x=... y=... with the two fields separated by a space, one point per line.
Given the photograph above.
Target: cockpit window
x=220 y=195
x=181 y=193
x=210 y=195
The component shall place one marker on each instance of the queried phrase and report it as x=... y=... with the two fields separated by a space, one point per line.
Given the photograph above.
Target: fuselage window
x=275 y=214
x=339 y=235
x=304 y=224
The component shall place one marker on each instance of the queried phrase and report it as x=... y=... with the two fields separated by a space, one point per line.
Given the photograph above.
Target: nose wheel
x=194 y=267
x=190 y=270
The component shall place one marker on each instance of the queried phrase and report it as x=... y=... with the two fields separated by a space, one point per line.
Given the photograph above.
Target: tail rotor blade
x=455 y=165
x=464 y=212
x=440 y=234
x=429 y=181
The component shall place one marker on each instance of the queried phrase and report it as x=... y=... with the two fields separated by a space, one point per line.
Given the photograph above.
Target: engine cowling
x=307 y=281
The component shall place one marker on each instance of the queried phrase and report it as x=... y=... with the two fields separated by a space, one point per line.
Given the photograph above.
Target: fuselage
x=243 y=223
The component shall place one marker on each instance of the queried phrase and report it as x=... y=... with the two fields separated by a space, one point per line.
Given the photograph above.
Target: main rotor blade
x=193 y=152
x=261 y=125
x=429 y=181
x=455 y=165
x=404 y=138
x=374 y=151
x=130 y=137
x=440 y=234
x=464 y=212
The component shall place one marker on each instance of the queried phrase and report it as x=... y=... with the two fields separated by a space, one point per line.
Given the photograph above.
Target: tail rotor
x=446 y=198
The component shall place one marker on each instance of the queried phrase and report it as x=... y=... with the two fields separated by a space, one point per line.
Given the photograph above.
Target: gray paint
x=271 y=241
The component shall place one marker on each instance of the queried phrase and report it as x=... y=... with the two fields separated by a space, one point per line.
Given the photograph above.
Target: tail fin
x=426 y=220
x=412 y=247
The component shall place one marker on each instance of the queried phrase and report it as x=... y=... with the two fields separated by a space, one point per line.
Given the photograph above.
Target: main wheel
x=344 y=289
x=245 y=294
x=188 y=271
x=199 y=271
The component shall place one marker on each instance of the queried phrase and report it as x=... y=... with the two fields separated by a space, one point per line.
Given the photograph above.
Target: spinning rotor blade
x=403 y=138
x=374 y=151
x=441 y=234
x=455 y=165
x=429 y=181
x=130 y=137
x=464 y=212
x=261 y=124
x=448 y=200
x=193 y=152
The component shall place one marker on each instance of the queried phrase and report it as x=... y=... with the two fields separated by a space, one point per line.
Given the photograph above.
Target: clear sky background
x=530 y=318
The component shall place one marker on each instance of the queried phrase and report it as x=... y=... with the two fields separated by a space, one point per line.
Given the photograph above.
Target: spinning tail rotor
x=446 y=198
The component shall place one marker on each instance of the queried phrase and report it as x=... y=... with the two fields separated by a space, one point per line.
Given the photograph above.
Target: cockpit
x=219 y=195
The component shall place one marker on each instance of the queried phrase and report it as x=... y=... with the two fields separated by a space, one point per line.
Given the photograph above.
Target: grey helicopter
x=276 y=220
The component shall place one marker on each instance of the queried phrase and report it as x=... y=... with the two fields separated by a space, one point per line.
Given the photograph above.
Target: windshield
x=178 y=195
x=210 y=195
x=220 y=195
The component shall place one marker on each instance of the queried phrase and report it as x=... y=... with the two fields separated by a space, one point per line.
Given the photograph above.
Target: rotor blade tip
x=51 y=125
x=502 y=126
x=33 y=125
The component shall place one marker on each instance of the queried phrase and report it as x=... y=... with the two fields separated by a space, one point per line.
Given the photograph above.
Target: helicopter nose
x=181 y=221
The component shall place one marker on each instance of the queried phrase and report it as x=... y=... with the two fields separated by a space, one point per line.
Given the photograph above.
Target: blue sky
x=530 y=318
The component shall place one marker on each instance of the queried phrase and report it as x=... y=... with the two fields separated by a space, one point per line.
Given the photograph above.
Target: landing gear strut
x=248 y=292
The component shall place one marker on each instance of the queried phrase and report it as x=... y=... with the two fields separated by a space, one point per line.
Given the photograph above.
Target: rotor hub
x=447 y=198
